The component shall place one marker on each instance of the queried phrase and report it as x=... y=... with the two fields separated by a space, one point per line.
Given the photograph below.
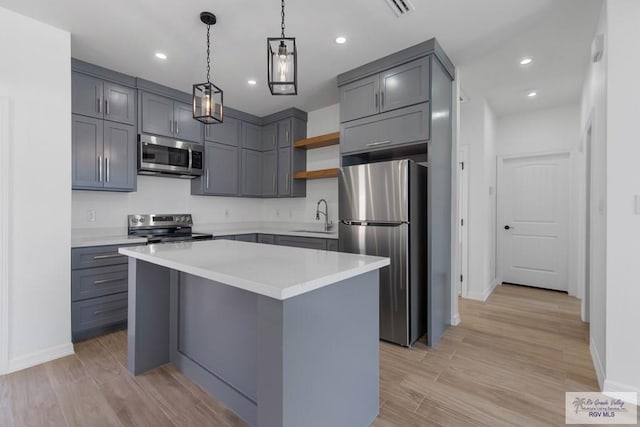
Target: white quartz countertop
x=278 y=272
x=83 y=237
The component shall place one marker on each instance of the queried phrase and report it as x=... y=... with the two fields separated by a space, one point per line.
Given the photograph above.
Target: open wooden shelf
x=318 y=141
x=322 y=173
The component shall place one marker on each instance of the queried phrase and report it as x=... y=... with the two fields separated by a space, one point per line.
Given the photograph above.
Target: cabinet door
x=251 y=173
x=403 y=126
x=269 y=173
x=120 y=103
x=86 y=95
x=157 y=115
x=359 y=99
x=332 y=245
x=284 y=171
x=269 y=133
x=227 y=132
x=251 y=136
x=221 y=169
x=404 y=85
x=186 y=127
x=302 y=242
x=284 y=133
x=119 y=156
x=87 y=150
x=253 y=238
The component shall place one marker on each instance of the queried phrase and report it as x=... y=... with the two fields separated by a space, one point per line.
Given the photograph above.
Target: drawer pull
x=102 y=281
x=373 y=144
x=107 y=310
x=106 y=256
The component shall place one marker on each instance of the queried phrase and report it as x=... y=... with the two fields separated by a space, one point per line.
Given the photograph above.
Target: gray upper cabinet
x=284 y=133
x=227 y=132
x=251 y=172
x=284 y=172
x=103 y=155
x=269 y=173
x=404 y=85
x=397 y=87
x=166 y=117
x=269 y=137
x=101 y=99
x=251 y=136
x=359 y=99
x=220 y=171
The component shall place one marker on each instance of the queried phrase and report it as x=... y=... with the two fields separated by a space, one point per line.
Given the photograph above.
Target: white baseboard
x=597 y=363
x=615 y=387
x=455 y=320
x=484 y=295
x=39 y=357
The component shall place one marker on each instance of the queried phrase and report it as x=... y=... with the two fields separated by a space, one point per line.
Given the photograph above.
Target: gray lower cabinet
x=227 y=132
x=302 y=242
x=220 y=175
x=99 y=282
x=168 y=117
x=398 y=127
x=102 y=99
x=103 y=155
x=270 y=173
x=251 y=170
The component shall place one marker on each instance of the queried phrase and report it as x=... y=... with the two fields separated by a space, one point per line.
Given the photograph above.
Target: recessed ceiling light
x=161 y=55
x=252 y=82
x=532 y=94
x=341 y=40
x=526 y=60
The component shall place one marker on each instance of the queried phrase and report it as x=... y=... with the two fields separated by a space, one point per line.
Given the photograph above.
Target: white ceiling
x=485 y=38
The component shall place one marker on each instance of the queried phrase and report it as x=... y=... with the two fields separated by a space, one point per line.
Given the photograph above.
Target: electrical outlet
x=91 y=215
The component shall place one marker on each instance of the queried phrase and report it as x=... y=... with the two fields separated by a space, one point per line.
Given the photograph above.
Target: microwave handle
x=190 y=158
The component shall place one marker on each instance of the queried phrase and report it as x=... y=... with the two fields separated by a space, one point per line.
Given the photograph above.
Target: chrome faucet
x=327 y=224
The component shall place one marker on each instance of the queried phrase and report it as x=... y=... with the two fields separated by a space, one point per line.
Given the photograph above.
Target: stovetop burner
x=164 y=228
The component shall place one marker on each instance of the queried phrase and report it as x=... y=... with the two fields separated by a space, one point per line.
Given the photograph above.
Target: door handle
x=106 y=160
x=100 y=168
x=507 y=227
x=373 y=144
x=381 y=99
x=207 y=178
x=375 y=102
x=107 y=256
x=99 y=104
x=177 y=128
x=171 y=125
x=190 y=158
x=106 y=106
x=103 y=281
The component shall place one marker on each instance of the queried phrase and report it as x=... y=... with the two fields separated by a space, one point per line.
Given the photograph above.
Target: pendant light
x=282 y=63
x=207 y=97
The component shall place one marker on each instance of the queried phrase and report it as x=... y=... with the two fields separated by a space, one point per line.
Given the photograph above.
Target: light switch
x=637 y=204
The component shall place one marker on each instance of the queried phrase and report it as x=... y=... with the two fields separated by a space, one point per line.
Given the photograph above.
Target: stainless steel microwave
x=166 y=156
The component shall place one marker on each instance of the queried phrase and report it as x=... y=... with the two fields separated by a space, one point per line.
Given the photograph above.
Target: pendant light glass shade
x=282 y=58
x=207 y=97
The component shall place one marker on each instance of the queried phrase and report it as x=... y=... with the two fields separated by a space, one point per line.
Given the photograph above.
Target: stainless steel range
x=164 y=228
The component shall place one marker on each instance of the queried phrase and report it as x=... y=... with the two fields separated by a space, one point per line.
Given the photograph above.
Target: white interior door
x=533 y=228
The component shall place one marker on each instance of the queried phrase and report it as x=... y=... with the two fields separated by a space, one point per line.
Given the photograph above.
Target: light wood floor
x=508 y=363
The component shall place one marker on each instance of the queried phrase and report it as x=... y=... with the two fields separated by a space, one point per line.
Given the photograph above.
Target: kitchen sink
x=313 y=231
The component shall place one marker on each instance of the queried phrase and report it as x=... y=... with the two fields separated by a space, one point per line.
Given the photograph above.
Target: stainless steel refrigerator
x=383 y=211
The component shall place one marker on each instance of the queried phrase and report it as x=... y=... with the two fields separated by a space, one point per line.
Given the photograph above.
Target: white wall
x=594 y=112
x=477 y=131
x=555 y=129
x=165 y=195
x=35 y=75
x=623 y=184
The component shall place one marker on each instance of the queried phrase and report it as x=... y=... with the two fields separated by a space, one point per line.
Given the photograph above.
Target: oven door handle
x=190 y=158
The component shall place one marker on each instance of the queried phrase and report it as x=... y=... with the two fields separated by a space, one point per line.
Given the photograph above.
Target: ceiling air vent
x=400 y=7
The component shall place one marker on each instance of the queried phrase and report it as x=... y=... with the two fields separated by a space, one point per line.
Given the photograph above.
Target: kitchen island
x=283 y=336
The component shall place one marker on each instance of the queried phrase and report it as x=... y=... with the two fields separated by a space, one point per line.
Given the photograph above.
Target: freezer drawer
x=388 y=241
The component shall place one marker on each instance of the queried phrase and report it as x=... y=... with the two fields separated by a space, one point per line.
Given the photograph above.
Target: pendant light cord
x=282 y=26
x=209 y=51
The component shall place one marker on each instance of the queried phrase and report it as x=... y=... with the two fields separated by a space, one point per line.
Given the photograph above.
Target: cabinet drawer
x=97 y=256
x=97 y=312
x=266 y=238
x=302 y=242
x=95 y=282
x=247 y=238
x=398 y=127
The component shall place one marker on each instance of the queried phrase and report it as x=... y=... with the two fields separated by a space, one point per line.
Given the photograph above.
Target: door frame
x=463 y=213
x=499 y=195
x=6 y=172
x=584 y=278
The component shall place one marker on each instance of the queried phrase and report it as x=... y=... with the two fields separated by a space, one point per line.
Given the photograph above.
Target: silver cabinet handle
x=373 y=144
x=107 y=310
x=99 y=104
x=171 y=125
x=177 y=128
x=375 y=102
x=107 y=256
x=190 y=157
x=274 y=183
x=103 y=281
x=106 y=106
x=207 y=178
x=273 y=141
x=100 y=168
x=286 y=133
x=106 y=160
x=382 y=99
